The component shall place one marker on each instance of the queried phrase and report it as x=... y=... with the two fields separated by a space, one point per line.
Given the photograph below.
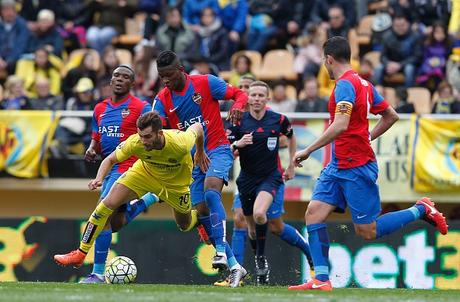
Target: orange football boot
x=74 y=258
x=313 y=284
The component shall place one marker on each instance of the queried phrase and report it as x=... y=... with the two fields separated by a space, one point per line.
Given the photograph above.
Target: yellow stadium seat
x=364 y=30
x=421 y=98
x=373 y=57
x=277 y=64
x=76 y=57
x=254 y=56
x=124 y=56
x=291 y=92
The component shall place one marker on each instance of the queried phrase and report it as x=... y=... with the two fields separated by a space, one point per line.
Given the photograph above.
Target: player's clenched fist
x=94 y=184
x=90 y=155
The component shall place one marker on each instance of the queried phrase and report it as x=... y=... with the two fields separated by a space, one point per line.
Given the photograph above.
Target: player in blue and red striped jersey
x=114 y=120
x=351 y=176
x=189 y=99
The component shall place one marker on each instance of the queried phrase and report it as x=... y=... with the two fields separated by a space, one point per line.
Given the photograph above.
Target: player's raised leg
x=117 y=195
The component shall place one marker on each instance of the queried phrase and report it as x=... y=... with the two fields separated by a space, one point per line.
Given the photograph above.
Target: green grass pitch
x=50 y=292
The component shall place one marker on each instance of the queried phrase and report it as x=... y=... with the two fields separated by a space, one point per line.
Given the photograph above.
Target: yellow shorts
x=141 y=182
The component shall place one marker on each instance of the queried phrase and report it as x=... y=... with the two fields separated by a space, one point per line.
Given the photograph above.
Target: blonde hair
x=12 y=81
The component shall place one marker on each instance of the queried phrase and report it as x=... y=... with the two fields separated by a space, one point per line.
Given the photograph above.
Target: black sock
x=261 y=234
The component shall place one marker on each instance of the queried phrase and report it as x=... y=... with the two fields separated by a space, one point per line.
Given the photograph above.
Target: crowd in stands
x=59 y=54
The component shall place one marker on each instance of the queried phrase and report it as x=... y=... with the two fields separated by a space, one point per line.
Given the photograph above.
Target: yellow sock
x=94 y=226
x=193 y=221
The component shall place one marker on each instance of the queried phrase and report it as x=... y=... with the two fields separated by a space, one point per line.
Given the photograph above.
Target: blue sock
x=393 y=221
x=293 y=237
x=217 y=214
x=231 y=260
x=319 y=248
x=239 y=244
x=139 y=206
x=101 y=250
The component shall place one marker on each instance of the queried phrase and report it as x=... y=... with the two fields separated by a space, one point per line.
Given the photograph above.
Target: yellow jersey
x=171 y=165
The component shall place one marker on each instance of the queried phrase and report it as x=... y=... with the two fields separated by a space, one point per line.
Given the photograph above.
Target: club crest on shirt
x=271 y=143
x=124 y=112
x=197 y=98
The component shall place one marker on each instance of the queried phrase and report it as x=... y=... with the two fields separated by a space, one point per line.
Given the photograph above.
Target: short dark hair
x=167 y=58
x=338 y=48
x=248 y=77
x=131 y=71
x=148 y=119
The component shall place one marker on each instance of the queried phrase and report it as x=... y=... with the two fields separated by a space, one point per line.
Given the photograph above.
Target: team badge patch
x=343 y=108
x=197 y=98
x=124 y=113
x=271 y=143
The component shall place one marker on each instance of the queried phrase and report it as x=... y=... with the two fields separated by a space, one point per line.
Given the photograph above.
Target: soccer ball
x=121 y=270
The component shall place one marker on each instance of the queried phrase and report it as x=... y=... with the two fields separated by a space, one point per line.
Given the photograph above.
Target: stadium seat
x=364 y=30
x=133 y=31
x=390 y=96
x=125 y=56
x=421 y=98
x=76 y=56
x=254 y=56
x=277 y=64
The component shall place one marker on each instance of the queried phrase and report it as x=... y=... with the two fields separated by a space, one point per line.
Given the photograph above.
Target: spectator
x=446 y=103
x=45 y=100
x=176 y=36
x=339 y=27
x=110 y=22
x=84 y=69
x=202 y=65
x=84 y=96
x=46 y=34
x=436 y=50
x=233 y=15
x=146 y=71
x=30 y=9
x=73 y=18
x=242 y=67
x=280 y=102
x=308 y=60
x=320 y=12
x=402 y=52
x=15 y=98
x=191 y=11
x=214 y=43
x=326 y=84
x=402 y=104
x=366 y=69
x=109 y=61
x=311 y=102
x=453 y=68
x=44 y=65
x=261 y=26
x=14 y=37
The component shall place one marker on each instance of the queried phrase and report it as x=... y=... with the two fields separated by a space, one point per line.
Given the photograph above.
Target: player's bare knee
x=202 y=209
x=260 y=217
x=367 y=233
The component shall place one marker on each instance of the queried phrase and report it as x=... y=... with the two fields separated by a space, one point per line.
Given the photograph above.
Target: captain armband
x=344 y=108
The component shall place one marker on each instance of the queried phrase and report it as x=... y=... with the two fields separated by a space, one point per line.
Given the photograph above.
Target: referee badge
x=271 y=143
x=124 y=112
x=197 y=98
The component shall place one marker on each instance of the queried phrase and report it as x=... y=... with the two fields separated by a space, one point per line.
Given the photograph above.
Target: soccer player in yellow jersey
x=164 y=168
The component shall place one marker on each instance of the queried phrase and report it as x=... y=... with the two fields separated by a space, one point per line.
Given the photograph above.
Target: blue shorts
x=221 y=163
x=249 y=186
x=107 y=184
x=355 y=187
x=276 y=210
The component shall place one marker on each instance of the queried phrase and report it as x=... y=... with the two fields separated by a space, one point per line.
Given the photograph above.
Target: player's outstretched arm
x=389 y=117
x=201 y=159
x=339 y=125
x=103 y=170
